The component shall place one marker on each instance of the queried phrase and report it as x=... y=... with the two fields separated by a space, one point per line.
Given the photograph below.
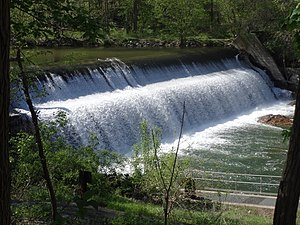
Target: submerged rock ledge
x=276 y=120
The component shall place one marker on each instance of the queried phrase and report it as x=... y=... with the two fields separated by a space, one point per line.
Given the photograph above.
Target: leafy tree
x=4 y=112
x=64 y=162
x=289 y=188
x=135 y=15
x=180 y=17
x=46 y=20
x=41 y=19
x=253 y=15
x=130 y=11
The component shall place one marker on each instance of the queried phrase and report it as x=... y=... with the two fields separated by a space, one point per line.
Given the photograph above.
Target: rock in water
x=19 y=121
x=276 y=120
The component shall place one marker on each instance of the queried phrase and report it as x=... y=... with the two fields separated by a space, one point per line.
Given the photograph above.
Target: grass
x=131 y=212
x=143 y=213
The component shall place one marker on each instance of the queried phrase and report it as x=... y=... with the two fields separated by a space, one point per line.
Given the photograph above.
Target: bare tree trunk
x=289 y=188
x=211 y=14
x=182 y=43
x=38 y=138
x=5 y=178
x=106 y=9
x=166 y=210
x=135 y=15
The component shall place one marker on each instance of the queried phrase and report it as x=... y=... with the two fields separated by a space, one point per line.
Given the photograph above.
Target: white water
x=207 y=137
x=118 y=76
x=239 y=144
x=213 y=93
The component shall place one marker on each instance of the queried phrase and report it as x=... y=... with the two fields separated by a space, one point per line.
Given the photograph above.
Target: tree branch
x=157 y=164
x=177 y=149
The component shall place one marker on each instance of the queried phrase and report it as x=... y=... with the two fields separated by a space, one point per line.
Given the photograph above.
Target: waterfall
x=112 y=99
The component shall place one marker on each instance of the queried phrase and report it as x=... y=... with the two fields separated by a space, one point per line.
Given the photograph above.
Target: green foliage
x=292 y=23
x=99 y=22
x=135 y=219
x=84 y=201
x=43 y=20
x=294 y=19
x=36 y=212
x=182 y=17
x=110 y=161
x=253 y=15
x=159 y=177
x=143 y=153
x=286 y=134
x=64 y=162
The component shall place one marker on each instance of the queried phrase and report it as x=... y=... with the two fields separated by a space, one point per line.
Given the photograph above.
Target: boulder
x=250 y=44
x=19 y=121
x=276 y=120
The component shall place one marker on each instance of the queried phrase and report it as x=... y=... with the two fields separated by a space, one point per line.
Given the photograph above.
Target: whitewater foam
x=115 y=116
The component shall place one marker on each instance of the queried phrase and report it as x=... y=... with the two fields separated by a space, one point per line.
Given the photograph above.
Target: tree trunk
x=38 y=137
x=182 y=43
x=106 y=9
x=166 y=210
x=135 y=15
x=4 y=113
x=211 y=14
x=289 y=188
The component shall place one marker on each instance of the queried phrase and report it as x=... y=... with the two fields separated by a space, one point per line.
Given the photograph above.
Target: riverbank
x=133 y=42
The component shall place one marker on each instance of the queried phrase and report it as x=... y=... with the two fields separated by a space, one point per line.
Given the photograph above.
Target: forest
x=94 y=23
x=46 y=180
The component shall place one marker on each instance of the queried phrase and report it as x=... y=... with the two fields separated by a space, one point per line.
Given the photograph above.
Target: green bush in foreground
x=64 y=162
